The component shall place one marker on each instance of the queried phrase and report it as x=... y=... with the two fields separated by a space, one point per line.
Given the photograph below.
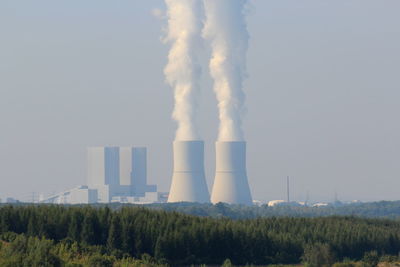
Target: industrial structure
x=118 y=172
x=79 y=195
x=188 y=179
x=230 y=184
x=115 y=174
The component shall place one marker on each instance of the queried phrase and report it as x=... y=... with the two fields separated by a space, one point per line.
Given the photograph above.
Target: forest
x=137 y=235
x=381 y=209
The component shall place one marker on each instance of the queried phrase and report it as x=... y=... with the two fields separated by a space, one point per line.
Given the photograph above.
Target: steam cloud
x=226 y=29
x=183 y=70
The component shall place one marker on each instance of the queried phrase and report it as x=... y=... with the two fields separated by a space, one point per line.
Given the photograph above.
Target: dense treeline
x=382 y=209
x=183 y=239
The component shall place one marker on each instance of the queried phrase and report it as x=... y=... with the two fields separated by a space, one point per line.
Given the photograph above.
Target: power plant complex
x=118 y=174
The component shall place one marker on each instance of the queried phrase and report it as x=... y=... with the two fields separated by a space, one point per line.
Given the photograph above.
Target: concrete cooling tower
x=188 y=180
x=231 y=185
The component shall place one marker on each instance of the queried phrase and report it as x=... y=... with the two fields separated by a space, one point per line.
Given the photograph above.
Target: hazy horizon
x=322 y=95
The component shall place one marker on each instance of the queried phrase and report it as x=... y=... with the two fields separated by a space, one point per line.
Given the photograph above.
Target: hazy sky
x=322 y=95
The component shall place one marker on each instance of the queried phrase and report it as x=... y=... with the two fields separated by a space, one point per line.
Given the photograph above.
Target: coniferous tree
x=74 y=229
x=114 y=240
x=32 y=229
x=127 y=237
x=90 y=229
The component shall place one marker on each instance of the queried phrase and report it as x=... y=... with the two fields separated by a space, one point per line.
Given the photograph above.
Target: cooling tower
x=188 y=180
x=230 y=184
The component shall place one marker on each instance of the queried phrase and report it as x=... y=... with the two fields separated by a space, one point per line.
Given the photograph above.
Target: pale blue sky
x=322 y=95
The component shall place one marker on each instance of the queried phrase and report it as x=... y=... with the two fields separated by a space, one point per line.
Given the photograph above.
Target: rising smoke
x=183 y=70
x=226 y=29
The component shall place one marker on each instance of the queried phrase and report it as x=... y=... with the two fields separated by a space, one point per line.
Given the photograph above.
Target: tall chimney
x=188 y=180
x=231 y=185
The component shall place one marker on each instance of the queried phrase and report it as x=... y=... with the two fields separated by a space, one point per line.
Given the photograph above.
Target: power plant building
x=118 y=172
x=79 y=195
x=114 y=174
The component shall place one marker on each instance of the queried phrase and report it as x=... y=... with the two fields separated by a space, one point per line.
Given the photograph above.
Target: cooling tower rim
x=234 y=171
x=201 y=172
x=230 y=142
x=188 y=141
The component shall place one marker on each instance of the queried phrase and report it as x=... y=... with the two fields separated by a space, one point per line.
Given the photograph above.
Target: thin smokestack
x=287 y=189
x=226 y=29
x=183 y=70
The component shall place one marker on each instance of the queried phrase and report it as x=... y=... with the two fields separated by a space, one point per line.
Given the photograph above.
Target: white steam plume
x=226 y=29
x=183 y=70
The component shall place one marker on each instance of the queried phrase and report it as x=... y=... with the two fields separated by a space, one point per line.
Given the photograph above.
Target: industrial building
x=79 y=195
x=188 y=179
x=118 y=172
x=114 y=174
x=231 y=184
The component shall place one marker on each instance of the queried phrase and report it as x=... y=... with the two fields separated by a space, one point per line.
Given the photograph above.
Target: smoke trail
x=183 y=70
x=226 y=28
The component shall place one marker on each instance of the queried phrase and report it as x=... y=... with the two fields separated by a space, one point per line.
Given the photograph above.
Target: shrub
x=227 y=263
x=370 y=259
x=318 y=255
x=101 y=261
